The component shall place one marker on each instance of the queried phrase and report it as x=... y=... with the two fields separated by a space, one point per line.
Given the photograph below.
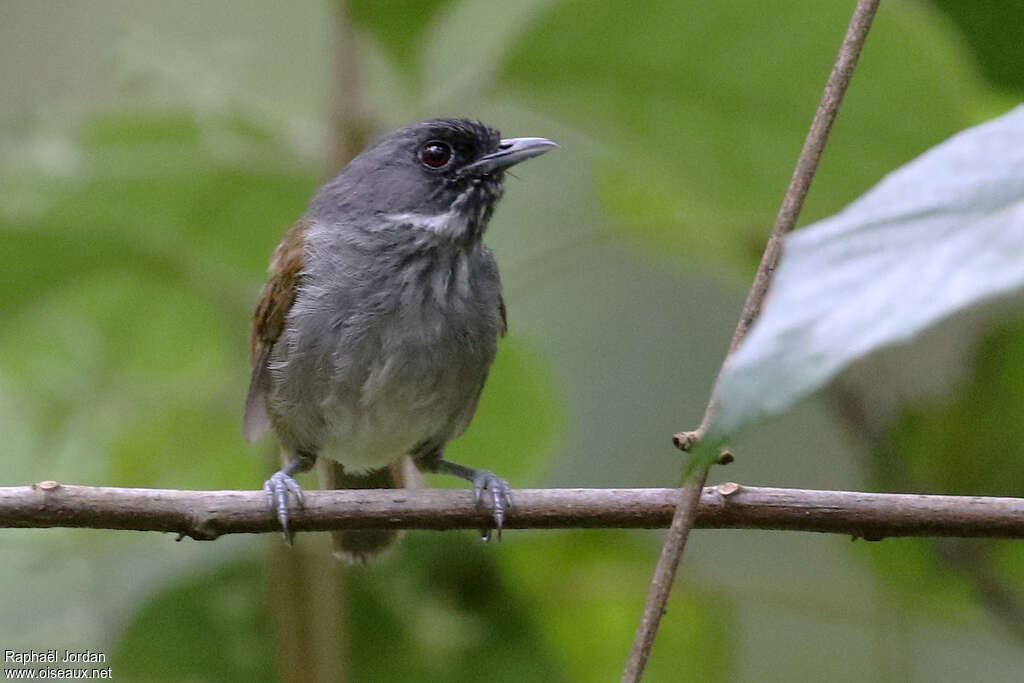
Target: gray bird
x=374 y=336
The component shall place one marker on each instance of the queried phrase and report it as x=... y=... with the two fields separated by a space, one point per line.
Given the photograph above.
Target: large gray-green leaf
x=941 y=234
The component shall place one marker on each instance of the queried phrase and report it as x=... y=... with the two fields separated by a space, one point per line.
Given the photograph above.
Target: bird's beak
x=511 y=151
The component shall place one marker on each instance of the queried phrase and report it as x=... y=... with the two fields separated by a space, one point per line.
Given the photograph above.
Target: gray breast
x=388 y=344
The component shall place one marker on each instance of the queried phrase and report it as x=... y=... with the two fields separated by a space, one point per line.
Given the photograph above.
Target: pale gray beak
x=511 y=151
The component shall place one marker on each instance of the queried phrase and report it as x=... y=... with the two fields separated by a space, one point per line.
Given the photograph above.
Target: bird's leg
x=500 y=497
x=281 y=483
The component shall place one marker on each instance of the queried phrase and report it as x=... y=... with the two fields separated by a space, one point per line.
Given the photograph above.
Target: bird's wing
x=491 y=269
x=268 y=322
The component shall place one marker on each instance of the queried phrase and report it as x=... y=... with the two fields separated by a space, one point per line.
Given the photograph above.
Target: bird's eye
x=436 y=154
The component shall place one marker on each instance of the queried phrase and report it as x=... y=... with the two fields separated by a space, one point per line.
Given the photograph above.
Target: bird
x=374 y=335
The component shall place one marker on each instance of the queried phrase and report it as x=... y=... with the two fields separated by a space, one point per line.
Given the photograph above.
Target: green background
x=151 y=155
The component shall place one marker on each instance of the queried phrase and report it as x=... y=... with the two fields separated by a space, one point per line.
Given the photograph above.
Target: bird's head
x=442 y=175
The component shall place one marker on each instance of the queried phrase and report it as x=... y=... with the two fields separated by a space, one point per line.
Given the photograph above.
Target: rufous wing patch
x=268 y=323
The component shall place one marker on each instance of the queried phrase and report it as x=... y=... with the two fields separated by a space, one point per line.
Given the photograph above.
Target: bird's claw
x=500 y=498
x=277 y=489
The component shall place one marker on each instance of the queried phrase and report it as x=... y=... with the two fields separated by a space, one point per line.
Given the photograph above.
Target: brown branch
x=207 y=515
x=792 y=203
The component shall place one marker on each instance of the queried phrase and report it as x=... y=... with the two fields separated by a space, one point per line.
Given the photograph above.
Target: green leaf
x=942 y=234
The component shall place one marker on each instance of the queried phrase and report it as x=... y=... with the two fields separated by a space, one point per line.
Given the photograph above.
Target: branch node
x=48 y=485
x=785 y=220
x=727 y=489
x=203 y=528
x=685 y=441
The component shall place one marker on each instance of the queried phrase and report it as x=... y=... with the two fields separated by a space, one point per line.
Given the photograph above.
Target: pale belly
x=370 y=436
x=390 y=410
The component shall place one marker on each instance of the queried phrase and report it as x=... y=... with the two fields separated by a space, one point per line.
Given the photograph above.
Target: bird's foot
x=277 y=488
x=497 y=490
x=499 y=495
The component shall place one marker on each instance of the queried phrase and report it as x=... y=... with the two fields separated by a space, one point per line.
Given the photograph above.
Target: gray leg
x=500 y=497
x=281 y=483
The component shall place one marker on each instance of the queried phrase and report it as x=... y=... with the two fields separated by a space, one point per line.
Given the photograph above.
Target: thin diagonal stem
x=792 y=203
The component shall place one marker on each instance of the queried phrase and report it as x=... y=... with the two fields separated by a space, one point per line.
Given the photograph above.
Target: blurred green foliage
x=130 y=291
x=135 y=237
x=974 y=443
x=970 y=443
x=441 y=610
x=398 y=26
x=586 y=589
x=518 y=418
x=998 y=52
x=210 y=627
x=700 y=108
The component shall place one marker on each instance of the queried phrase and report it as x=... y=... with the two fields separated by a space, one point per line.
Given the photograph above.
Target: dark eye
x=436 y=154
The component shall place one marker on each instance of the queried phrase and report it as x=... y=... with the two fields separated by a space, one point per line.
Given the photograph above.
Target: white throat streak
x=447 y=223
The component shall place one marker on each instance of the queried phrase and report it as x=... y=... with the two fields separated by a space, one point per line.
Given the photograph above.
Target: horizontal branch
x=205 y=515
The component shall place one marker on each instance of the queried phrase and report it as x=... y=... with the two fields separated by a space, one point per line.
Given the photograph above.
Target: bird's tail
x=358 y=546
